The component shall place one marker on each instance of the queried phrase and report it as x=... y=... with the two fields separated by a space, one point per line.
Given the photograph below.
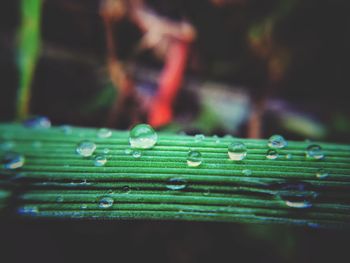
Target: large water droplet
x=100 y=160
x=315 y=152
x=13 y=161
x=104 y=133
x=237 y=151
x=194 y=158
x=199 y=137
x=106 y=202
x=272 y=154
x=297 y=195
x=142 y=136
x=321 y=174
x=176 y=183
x=38 y=122
x=86 y=148
x=277 y=142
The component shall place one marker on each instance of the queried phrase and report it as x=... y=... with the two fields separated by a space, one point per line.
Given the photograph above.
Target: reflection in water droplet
x=194 y=158
x=272 y=154
x=199 y=137
x=100 y=160
x=142 y=136
x=297 y=195
x=321 y=174
x=104 y=133
x=106 y=202
x=86 y=148
x=136 y=154
x=277 y=142
x=315 y=152
x=176 y=183
x=38 y=122
x=247 y=172
x=237 y=151
x=13 y=160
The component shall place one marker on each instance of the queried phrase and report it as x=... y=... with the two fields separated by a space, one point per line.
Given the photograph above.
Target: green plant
x=300 y=183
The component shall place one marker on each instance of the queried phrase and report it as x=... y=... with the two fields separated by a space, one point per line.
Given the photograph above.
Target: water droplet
x=289 y=156
x=100 y=160
x=86 y=148
x=106 y=202
x=194 y=158
x=13 y=160
x=321 y=174
x=59 y=199
x=66 y=129
x=29 y=210
x=83 y=206
x=297 y=195
x=237 y=151
x=315 y=152
x=105 y=150
x=176 y=183
x=128 y=151
x=142 y=136
x=272 y=154
x=199 y=137
x=247 y=172
x=38 y=122
x=277 y=142
x=126 y=189
x=136 y=154
x=216 y=138
x=104 y=133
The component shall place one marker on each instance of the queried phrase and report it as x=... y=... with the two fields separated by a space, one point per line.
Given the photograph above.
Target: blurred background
x=248 y=68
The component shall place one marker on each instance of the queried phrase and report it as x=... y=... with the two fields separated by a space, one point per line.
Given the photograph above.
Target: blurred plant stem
x=27 y=53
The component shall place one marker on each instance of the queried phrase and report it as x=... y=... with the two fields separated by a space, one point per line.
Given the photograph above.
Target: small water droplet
x=86 y=148
x=105 y=150
x=66 y=129
x=106 y=202
x=136 y=154
x=277 y=142
x=321 y=174
x=100 y=160
x=128 y=151
x=289 y=156
x=38 y=122
x=142 y=136
x=28 y=210
x=314 y=151
x=247 y=172
x=297 y=195
x=237 y=151
x=126 y=189
x=13 y=160
x=216 y=138
x=59 y=199
x=83 y=206
x=272 y=154
x=194 y=158
x=104 y=133
x=176 y=183
x=199 y=137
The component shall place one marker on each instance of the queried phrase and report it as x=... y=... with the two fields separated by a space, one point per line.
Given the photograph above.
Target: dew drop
x=126 y=189
x=194 y=158
x=272 y=154
x=104 y=133
x=84 y=206
x=315 y=152
x=199 y=137
x=128 y=151
x=247 y=172
x=59 y=199
x=321 y=174
x=12 y=161
x=136 y=154
x=105 y=150
x=142 y=136
x=237 y=151
x=277 y=142
x=176 y=184
x=106 y=202
x=297 y=195
x=38 y=122
x=289 y=156
x=100 y=160
x=86 y=148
